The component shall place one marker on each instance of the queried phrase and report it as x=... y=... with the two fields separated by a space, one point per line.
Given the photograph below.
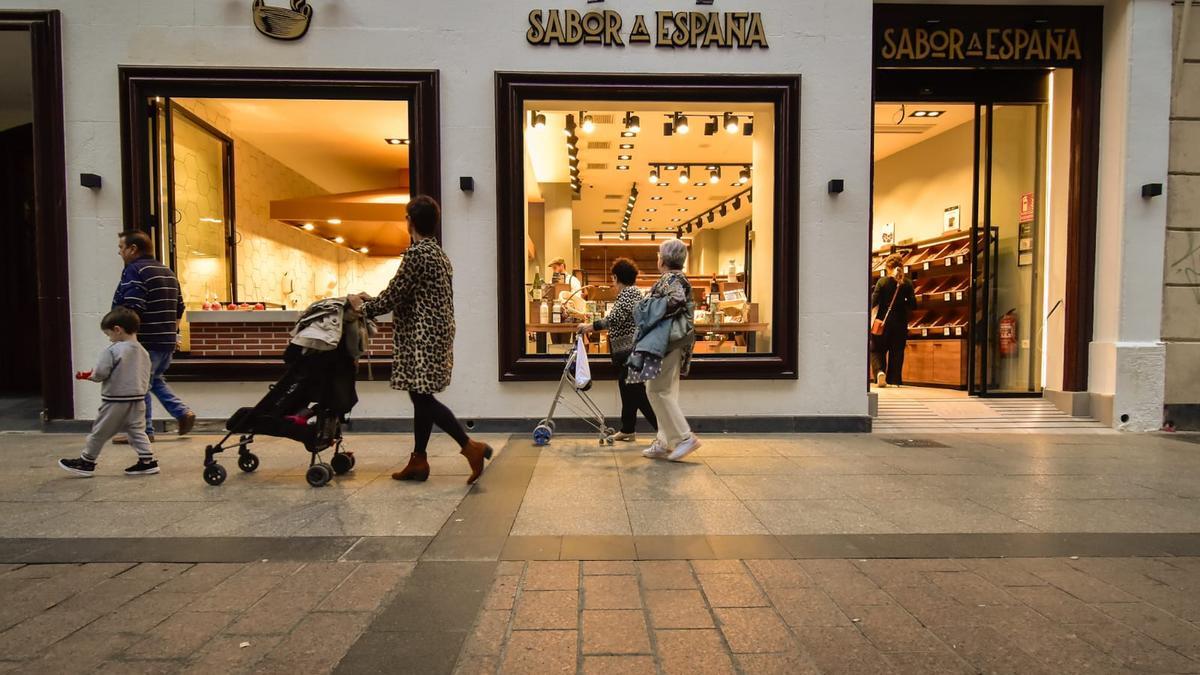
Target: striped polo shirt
x=152 y=290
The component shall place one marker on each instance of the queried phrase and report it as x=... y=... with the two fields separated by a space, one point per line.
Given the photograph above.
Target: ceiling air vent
x=597 y=166
x=614 y=196
x=612 y=210
x=602 y=118
x=599 y=145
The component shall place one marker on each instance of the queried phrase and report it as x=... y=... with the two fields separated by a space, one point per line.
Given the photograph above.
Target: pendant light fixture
x=731 y=123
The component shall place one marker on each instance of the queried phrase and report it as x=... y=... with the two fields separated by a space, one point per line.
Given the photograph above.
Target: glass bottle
x=536 y=291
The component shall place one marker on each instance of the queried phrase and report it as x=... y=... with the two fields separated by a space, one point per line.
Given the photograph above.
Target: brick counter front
x=261 y=338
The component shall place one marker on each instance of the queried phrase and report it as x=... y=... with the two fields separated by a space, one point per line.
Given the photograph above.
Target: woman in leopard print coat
x=421 y=300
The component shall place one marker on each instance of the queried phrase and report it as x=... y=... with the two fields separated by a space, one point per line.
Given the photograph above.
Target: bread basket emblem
x=282 y=23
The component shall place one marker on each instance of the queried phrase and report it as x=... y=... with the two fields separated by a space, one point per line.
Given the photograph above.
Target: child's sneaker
x=143 y=468
x=78 y=466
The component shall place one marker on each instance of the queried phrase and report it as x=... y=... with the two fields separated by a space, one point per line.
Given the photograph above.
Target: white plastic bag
x=583 y=371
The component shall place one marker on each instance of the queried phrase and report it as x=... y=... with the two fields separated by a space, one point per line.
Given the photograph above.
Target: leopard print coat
x=421 y=300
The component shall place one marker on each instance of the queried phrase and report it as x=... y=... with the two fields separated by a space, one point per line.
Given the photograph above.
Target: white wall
x=827 y=41
x=1127 y=357
x=915 y=186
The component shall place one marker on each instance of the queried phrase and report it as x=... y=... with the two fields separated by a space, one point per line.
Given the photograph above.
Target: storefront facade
x=792 y=86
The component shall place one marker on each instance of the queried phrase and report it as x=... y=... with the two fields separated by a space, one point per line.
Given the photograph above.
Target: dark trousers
x=633 y=398
x=887 y=355
x=428 y=411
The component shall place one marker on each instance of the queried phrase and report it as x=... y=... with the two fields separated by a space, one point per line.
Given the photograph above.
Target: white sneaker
x=622 y=436
x=656 y=451
x=685 y=448
x=881 y=380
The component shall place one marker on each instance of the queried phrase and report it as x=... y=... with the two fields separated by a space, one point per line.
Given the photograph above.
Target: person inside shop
x=421 y=299
x=891 y=303
x=574 y=302
x=621 y=330
x=662 y=352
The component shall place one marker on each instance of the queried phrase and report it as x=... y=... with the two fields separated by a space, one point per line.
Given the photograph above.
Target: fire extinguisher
x=1008 y=333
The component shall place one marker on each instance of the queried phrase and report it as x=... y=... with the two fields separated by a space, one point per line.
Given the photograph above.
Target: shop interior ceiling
x=342 y=147
x=899 y=126
x=606 y=188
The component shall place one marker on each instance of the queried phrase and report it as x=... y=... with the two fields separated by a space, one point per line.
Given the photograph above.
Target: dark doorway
x=20 y=351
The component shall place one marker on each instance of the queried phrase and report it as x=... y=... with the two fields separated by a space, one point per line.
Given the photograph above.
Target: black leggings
x=428 y=411
x=633 y=398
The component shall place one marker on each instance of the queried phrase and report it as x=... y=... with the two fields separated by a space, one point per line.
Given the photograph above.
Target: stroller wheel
x=214 y=474
x=542 y=434
x=319 y=475
x=248 y=462
x=342 y=463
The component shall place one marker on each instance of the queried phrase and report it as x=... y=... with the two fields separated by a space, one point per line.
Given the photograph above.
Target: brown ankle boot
x=417 y=469
x=476 y=453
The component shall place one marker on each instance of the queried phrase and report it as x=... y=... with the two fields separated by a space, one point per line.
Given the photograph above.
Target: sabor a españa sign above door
x=690 y=30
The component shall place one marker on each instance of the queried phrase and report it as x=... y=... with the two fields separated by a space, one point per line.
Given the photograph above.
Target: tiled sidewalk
x=264 y=617
x=1032 y=615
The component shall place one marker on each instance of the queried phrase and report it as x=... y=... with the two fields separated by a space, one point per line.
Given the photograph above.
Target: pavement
x=857 y=553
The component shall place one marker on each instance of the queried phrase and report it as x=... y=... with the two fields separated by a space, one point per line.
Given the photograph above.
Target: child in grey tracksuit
x=123 y=371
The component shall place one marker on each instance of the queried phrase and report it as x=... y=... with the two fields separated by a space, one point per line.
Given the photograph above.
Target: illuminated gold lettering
x=537 y=32
x=697 y=25
x=993 y=35
x=736 y=24
x=955 y=49
x=593 y=27
x=1072 y=50
x=1020 y=43
x=905 y=49
x=1054 y=43
x=922 y=44
x=975 y=48
x=756 y=34
x=939 y=42
x=612 y=28
x=889 y=44
x=639 y=33
x=1036 y=48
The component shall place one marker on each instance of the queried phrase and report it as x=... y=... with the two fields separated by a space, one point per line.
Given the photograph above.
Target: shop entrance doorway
x=967 y=199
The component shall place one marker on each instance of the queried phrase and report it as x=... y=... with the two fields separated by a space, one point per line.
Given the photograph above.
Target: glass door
x=1008 y=233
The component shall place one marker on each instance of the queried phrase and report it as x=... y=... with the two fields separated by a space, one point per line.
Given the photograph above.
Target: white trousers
x=663 y=392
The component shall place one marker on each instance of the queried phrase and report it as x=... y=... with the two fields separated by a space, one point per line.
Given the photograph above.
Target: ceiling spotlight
x=363 y=249
x=651 y=210
x=656 y=198
x=653 y=174
x=624 y=158
x=714 y=175
x=689 y=228
x=396 y=141
x=699 y=223
x=670 y=167
x=572 y=143
x=647 y=220
x=679 y=233
x=684 y=176
x=308 y=227
x=626 y=146
x=622 y=167
x=744 y=175
x=710 y=127
x=918 y=113
x=600 y=236
x=690 y=198
x=539 y=120
x=653 y=237
x=699 y=184
x=750 y=196
x=628 y=134
x=664 y=184
x=681 y=210
x=748 y=128
x=681 y=123
x=569 y=127
x=632 y=123
x=711 y=217
x=339 y=239
x=737 y=203
x=731 y=123
x=723 y=210
x=588 y=124
x=334 y=221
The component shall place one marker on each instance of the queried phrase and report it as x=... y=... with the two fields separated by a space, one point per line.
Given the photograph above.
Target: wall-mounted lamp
x=1152 y=190
x=466 y=183
x=836 y=186
x=90 y=180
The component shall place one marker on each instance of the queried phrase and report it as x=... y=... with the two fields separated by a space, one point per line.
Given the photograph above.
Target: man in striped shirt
x=151 y=289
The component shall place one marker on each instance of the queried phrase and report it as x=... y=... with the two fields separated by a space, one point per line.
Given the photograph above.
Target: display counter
x=259 y=333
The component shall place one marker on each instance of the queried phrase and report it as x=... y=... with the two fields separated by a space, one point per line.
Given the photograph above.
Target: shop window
x=608 y=173
x=264 y=202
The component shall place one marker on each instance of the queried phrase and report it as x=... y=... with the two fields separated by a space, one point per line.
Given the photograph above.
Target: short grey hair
x=673 y=253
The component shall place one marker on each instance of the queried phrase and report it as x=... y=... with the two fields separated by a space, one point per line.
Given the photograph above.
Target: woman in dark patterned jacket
x=621 y=330
x=421 y=300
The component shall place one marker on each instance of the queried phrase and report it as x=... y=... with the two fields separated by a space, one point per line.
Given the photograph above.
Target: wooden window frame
x=513 y=89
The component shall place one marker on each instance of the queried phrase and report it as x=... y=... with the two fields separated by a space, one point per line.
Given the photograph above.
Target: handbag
x=877 y=324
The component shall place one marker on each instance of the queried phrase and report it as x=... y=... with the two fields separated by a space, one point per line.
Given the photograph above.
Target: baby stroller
x=581 y=404
x=310 y=402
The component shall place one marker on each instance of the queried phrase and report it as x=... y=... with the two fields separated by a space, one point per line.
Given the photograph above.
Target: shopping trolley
x=579 y=403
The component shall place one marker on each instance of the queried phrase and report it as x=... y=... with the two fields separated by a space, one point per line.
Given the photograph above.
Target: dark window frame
x=137 y=84
x=513 y=89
